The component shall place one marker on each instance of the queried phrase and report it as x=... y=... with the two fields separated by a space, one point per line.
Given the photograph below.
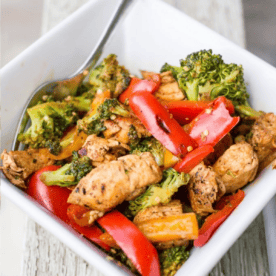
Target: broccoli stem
x=53 y=177
x=248 y=111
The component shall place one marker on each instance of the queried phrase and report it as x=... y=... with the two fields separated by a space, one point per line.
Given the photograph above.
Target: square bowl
x=161 y=36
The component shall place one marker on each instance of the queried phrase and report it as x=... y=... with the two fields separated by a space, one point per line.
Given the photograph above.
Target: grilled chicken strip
x=169 y=89
x=237 y=166
x=263 y=139
x=111 y=183
x=119 y=129
x=162 y=211
x=101 y=150
x=205 y=187
x=18 y=165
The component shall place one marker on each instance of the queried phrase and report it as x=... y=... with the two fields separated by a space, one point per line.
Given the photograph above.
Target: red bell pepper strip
x=185 y=111
x=193 y=158
x=212 y=124
x=149 y=85
x=54 y=199
x=131 y=240
x=161 y=124
x=213 y=221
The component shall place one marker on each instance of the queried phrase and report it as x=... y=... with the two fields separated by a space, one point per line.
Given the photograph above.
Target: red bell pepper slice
x=131 y=240
x=149 y=85
x=193 y=158
x=212 y=222
x=212 y=124
x=185 y=111
x=54 y=199
x=161 y=124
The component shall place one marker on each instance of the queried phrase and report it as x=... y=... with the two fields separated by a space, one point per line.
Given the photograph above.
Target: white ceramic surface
x=152 y=33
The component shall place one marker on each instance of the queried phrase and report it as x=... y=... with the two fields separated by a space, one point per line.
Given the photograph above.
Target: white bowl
x=152 y=33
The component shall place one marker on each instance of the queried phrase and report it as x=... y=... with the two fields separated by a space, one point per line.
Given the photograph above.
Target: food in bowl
x=146 y=168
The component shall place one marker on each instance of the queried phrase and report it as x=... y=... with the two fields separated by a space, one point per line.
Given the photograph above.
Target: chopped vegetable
x=131 y=241
x=172 y=259
x=193 y=158
x=109 y=75
x=208 y=128
x=185 y=111
x=169 y=159
x=49 y=121
x=205 y=76
x=159 y=193
x=183 y=226
x=151 y=85
x=150 y=145
x=160 y=124
x=94 y=124
x=226 y=206
x=70 y=174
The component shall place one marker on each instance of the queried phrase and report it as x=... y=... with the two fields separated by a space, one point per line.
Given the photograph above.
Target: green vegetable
x=69 y=174
x=110 y=76
x=121 y=257
x=49 y=121
x=159 y=193
x=172 y=259
x=150 y=145
x=82 y=103
x=109 y=109
x=205 y=76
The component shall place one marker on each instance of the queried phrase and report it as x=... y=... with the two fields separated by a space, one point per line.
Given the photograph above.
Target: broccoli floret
x=109 y=109
x=204 y=75
x=70 y=174
x=172 y=259
x=159 y=193
x=134 y=137
x=109 y=75
x=82 y=103
x=247 y=111
x=48 y=122
x=121 y=257
x=150 y=145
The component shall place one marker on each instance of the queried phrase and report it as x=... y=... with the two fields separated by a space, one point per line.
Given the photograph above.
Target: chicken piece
x=119 y=128
x=18 y=165
x=111 y=183
x=170 y=209
x=169 y=89
x=163 y=210
x=274 y=164
x=237 y=166
x=101 y=150
x=263 y=139
x=205 y=188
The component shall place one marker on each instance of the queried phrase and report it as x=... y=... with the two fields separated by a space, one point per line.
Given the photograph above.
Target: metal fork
x=55 y=87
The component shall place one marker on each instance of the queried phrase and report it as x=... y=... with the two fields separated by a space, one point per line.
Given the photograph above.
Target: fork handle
x=98 y=49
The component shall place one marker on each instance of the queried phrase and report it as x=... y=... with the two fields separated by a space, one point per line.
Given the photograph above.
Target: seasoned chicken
x=101 y=150
x=163 y=210
x=237 y=166
x=205 y=188
x=18 y=165
x=274 y=164
x=111 y=183
x=263 y=139
x=119 y=128
x=170 y=209
x=169 y=89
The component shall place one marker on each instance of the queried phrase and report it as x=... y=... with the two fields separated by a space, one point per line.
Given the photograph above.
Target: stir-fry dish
x=146 y=168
